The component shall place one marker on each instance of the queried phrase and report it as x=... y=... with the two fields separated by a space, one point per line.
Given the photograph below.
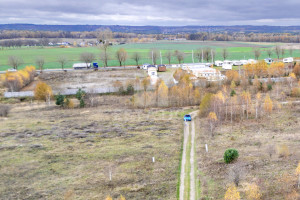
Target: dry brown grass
x=256 y=142
x=53 y=153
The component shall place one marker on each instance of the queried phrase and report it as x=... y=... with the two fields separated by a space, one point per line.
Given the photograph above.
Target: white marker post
x=153 y=159
x=206 y=148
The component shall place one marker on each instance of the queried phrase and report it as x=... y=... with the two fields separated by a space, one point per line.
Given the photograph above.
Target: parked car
x=288 y=60
x=145 y=66
x=187 y=118
x=269 y=60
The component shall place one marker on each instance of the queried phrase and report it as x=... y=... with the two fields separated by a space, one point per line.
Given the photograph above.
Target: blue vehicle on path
x=187 y=118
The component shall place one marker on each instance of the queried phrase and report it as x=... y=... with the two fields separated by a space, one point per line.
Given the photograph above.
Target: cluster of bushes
x=128 y=89
x=63 y=101
x=15 y=81
x=85 y=100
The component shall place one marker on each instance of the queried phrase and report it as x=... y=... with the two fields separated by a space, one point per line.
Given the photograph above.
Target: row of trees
x=246 y=37
x=204 y=36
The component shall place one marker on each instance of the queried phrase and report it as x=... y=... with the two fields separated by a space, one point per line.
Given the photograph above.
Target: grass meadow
x=237 y=50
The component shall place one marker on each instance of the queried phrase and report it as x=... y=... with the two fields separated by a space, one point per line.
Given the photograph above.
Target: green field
x=237 y=50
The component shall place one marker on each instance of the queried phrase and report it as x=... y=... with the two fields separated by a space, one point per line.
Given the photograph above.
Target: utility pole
x=202 y=56
x=160 y=58
x=152 y=58
x=193 y=55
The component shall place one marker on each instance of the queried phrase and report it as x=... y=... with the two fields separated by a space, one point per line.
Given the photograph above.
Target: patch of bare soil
x=89 y=79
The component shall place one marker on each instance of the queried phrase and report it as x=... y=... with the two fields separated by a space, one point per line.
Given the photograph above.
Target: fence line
x=101 y=90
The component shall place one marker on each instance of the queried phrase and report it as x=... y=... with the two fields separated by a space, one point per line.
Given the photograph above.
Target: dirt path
x=186 y=142
x=186 y=133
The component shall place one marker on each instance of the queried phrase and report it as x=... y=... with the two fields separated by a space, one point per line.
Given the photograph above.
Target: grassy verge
x=179 y=170
x=187 y=180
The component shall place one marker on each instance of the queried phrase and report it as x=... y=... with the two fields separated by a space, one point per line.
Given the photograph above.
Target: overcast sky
x=151 y=12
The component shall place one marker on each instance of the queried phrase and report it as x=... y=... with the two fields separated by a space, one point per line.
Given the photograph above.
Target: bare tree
x=136 y=57
x=15 y=61
x=40 y=61
x=257 y=53
x=225 y=53
x=291 y=51
x=62 y=61
x=168 y=55
x=282 y=52
x=207 y=54
x=198 y=54
x=104 y=55
x=44 y=41
x=154 y=54
x=87 y=57
x=269 y=52
x=236 y=173
x=277 y=50
x=179 y=55
x=104 y=35
x=121 y=55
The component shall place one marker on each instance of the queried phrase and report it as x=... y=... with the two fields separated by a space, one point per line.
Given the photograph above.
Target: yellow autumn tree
x=122 y=197
x=212 y=119
x=42 y=91
x=232 y=193
x=292 y=79
x=252 y=192
x=232 y=75
x=163 y=92
x=108 y=198
x=268 y=104
x=247 y=101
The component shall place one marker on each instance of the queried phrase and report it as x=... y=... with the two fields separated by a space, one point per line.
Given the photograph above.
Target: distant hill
x=154 y=29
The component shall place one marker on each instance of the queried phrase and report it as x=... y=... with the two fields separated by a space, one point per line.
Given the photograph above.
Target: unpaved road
x=186 y=135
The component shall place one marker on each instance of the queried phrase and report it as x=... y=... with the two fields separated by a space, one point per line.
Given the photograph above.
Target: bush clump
x=230 y=155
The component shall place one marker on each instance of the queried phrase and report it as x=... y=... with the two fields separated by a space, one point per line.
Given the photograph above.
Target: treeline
x=14 y=34
x=17 y=43
x=246 y=37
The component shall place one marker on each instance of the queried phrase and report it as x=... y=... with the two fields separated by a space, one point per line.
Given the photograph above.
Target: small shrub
x=69 y=103
x=295 y=92
x=60 y=99
x=81 y=103
x=80 y=94
x=4 y=110
x=270 y=87
x=232 y=93
x=283 y=151
x=230 y=155
x=130 y=89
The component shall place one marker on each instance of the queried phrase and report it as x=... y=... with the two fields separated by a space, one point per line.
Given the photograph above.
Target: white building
x=204 y=71
x=236 y=62
x=227 y=64
x=218 y=63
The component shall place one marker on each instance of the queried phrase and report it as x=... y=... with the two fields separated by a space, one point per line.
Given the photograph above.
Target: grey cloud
x=155 y=12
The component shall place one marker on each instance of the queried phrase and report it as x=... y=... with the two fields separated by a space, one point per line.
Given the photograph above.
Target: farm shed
x=162 y=68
